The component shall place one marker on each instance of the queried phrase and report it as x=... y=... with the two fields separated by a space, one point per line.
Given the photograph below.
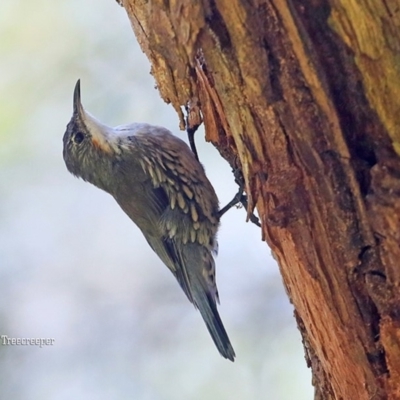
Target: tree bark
x=303 y=97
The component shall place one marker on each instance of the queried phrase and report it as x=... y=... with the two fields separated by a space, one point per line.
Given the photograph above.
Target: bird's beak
x=77 y=99
x=97 y=131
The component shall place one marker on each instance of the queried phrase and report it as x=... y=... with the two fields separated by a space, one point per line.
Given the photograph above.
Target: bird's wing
x=181 y=204
x=166 y=249
x=163 y=244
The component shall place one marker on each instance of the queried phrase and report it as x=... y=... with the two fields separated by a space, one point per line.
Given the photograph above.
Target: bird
x=158 y=182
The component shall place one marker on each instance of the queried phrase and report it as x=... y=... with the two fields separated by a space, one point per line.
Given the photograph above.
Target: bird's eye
x=78 y=137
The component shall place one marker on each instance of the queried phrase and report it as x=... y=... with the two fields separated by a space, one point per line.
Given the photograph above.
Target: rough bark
x=304 y=98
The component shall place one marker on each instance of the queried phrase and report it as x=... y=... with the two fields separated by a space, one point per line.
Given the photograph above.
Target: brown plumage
x=160 y=185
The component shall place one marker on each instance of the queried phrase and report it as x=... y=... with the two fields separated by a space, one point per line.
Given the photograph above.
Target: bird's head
x=87 y=142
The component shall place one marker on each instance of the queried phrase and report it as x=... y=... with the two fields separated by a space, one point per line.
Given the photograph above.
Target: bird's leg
x=239 y=197
x=192 y=124
x=252 y=217
x=193 y=121
x=190 y=133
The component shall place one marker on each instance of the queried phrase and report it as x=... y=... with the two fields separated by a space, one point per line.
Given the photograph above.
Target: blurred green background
x=74 y=268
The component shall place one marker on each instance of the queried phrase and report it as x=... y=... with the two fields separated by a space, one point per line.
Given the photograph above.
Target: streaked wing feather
x=165 y=247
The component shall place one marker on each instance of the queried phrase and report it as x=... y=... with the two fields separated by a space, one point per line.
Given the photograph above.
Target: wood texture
x=304 y=98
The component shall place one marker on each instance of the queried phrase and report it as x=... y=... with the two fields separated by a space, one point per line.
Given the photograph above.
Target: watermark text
x=9 y=341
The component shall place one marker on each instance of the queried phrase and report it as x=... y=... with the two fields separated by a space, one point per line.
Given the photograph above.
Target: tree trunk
x=303 y=97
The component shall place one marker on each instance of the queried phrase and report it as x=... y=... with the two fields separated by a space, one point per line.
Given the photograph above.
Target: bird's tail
x=208 y=309
x=205 y=296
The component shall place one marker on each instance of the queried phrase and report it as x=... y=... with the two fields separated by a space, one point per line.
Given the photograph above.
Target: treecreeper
x=160 y=185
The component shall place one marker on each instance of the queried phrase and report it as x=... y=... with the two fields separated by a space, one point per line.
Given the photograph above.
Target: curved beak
x=77 y=98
